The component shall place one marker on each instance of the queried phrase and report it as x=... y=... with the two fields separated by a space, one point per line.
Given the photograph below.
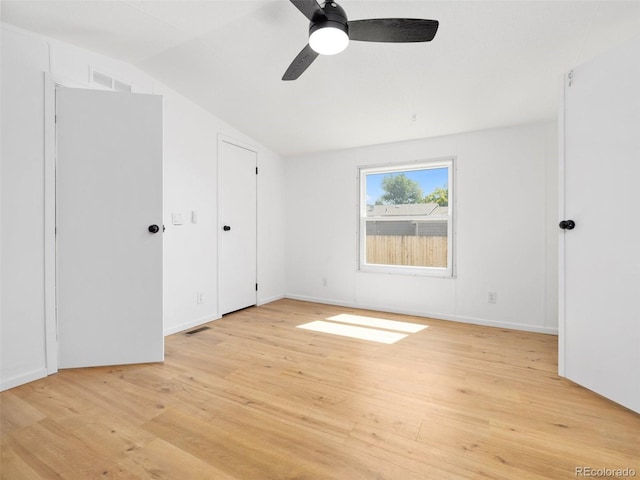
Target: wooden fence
x=407 y=250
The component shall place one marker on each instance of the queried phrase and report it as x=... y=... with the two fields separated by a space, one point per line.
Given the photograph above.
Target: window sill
x=444 y=273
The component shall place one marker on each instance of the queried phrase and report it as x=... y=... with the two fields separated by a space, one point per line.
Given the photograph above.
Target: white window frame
x=363 y=171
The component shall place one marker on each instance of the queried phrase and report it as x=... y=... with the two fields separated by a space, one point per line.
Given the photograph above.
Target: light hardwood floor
x=254 y=397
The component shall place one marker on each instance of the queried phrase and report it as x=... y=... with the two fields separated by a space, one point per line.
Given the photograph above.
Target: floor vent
x=197 y=330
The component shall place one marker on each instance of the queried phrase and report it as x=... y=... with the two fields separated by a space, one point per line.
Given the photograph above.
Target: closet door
x=237 y=232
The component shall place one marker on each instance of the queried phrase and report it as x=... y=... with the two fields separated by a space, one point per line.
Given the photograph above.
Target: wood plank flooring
x=254 y=397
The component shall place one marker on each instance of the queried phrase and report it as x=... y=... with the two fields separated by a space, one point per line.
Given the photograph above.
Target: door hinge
x=256 y=170
x=256 y=287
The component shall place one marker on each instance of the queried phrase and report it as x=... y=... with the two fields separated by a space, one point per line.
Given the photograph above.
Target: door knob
x=154 y=228
x=567 y=224
x=226 y=228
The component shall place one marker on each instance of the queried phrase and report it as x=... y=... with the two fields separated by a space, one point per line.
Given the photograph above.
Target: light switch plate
x=176 y=218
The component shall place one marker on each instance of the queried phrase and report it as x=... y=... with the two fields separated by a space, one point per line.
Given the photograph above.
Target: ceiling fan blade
x=395 y=30
x=310 y=9
x=305 y=58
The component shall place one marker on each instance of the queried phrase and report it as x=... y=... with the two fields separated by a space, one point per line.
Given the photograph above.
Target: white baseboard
x=18 y=380
x=435 y=315
x=506 y=325
x=191 y=324
x=263 y=301
x=196 y=323
x=328 y=301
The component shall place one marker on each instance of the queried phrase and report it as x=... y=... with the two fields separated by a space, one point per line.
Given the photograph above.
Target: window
x=406 y=214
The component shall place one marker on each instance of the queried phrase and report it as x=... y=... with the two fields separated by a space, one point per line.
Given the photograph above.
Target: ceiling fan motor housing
x=336 y=17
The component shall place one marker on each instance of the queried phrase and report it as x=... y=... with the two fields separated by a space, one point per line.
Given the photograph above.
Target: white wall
x=190 y=169
x=22 y=352
x=271 y=227
x=506 y=230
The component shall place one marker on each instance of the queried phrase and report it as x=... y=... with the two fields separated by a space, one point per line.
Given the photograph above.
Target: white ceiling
x=492 y=63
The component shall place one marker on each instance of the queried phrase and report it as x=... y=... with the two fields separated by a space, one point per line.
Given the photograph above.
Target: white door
x=601 y=334
x=108 y=194
x=237 y=237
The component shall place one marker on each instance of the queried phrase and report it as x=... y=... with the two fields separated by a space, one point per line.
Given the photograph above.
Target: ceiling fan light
x=328 y=40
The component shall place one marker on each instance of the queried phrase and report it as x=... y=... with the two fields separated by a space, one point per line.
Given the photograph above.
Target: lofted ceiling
x=492 y=63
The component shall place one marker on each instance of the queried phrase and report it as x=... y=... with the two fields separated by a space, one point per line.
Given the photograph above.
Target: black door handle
x=154 y=228
x=567 y=224
x=226 y=228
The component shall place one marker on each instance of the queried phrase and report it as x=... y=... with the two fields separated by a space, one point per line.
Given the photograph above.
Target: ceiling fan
x=330 y=32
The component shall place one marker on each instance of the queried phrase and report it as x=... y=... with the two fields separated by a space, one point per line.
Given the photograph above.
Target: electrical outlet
x=324 y=281
x=492 y=297
x=200 y=297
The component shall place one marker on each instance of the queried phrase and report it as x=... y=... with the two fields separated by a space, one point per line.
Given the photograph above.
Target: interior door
x=237 y=233
x=109 y=257
x=601 y=334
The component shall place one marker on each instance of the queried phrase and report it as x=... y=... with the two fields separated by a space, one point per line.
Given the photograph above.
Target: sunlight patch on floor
x=378 y=323
x=362 y=333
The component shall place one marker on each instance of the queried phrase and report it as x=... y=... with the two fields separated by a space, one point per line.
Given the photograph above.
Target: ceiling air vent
x=121 y=86
x=107 y=81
